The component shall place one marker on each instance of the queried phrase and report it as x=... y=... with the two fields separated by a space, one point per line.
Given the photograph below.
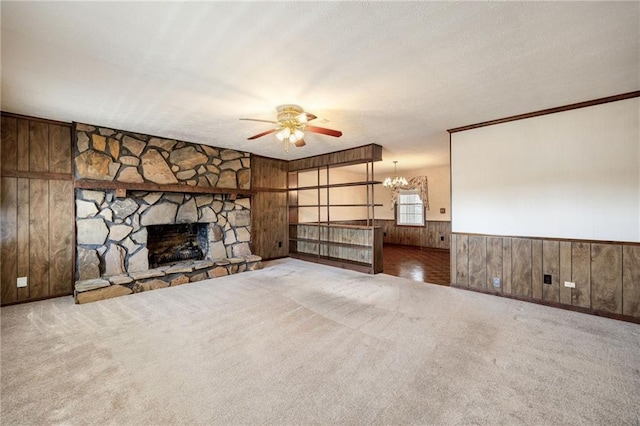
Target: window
x=410 y=208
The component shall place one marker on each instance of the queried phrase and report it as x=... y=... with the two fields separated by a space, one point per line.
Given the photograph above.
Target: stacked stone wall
x=112 y=235
x=112 y=155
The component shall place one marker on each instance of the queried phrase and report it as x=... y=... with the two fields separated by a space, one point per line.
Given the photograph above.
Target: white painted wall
x=574 y=174
x=439 y=182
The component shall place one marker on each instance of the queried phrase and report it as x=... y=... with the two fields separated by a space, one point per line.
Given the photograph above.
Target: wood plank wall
x=36 y=209
x=421 y=236
x=371 y=152
x=606 y=275
x=269 y=226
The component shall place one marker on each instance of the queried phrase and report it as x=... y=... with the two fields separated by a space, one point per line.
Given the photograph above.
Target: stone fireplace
x=130 y=187
x=176 y=243
x=113 y=233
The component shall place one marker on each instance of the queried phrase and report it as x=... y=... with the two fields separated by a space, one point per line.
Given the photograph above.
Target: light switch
x=22 y=282
x=569 y=284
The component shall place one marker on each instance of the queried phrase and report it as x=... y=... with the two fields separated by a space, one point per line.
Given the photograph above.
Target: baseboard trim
x=582 y=310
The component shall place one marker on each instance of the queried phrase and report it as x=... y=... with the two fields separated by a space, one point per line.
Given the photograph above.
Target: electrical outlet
x=279 y=244
x=547 y=279
x=441 y=237
x=22 y=282
x=496 y=282
x=569 y=284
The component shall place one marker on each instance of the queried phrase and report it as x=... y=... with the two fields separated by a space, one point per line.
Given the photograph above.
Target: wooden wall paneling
x=23 y=234
x=506 y=265
x=268 y=173
x=38 y=146
x=377 y=251
x=9 y=144
x=9 y=241
x=60 y=237
x=565 y=271
x=269 y=233
x=494 y=263
x=536 y=269
x=462 y=260
x=445 y=231
x=551 y=266
x=606 y=277
x=521 y=267
x=371 y=152
x=631 y=280
x=39 y=238
x=453 y=259
x=428 y=235
x=23 y=145
x=59 y=149
x=477 y=261
x=580 y=274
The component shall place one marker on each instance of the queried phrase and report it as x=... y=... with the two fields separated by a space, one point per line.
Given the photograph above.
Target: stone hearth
x=112 y=233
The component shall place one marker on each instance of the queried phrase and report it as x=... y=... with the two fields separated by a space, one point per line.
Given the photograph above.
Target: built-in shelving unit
x=318 y=209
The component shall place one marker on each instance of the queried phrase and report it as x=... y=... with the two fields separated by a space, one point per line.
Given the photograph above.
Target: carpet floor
x=300 y=343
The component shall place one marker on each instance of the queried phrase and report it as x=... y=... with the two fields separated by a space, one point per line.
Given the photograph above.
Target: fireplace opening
x=173 y=243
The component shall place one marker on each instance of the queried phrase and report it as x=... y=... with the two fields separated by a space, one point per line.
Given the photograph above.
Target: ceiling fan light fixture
x=302 y=118
x=291 y=125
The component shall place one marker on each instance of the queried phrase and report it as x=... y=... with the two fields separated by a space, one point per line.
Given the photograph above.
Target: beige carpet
x=299 y=343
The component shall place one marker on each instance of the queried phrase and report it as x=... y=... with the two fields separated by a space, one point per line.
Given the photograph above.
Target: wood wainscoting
x=606 y=274
x=434 y=234
x=36 y=209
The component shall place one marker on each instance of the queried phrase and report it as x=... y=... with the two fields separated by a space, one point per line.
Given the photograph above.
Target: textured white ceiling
x=395 y=74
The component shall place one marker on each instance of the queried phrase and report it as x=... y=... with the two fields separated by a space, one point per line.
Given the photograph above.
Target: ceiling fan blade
x=322 y=130
x=300 y=143
x=262 y=121
x=261 y=134
x=310 y=116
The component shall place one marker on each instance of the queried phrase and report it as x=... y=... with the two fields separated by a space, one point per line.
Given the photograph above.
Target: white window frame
x=408 y=211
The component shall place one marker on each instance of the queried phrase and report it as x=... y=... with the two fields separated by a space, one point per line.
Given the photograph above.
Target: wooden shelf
x=332 y=261
x=332 y=243
x=350 y=246
x=333 y=225
x=335 y=205
x=335 y=185
x=154 y=187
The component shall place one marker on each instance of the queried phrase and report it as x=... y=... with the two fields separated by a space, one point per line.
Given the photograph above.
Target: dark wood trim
x=99 y=184
x=267 y=259
x=569 y=240
x=322 y=160
x=450 y=184
x=590 y=311
x=28 y=117
x=37 y=175
x=443 y=250
x=37 y=299
x=260 y=189
x=547 y=111
x=266 y=158
x=338 y=263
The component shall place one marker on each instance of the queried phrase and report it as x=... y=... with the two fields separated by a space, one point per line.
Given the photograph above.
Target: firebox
x=177 y=242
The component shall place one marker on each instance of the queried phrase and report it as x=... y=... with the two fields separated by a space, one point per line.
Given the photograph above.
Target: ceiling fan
x=291 y=124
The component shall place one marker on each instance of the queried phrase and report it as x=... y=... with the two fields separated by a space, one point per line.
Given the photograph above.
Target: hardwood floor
x=417 y=263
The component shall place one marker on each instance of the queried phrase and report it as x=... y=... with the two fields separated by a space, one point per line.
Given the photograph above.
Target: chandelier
x=291 y=123
x=396 y=182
